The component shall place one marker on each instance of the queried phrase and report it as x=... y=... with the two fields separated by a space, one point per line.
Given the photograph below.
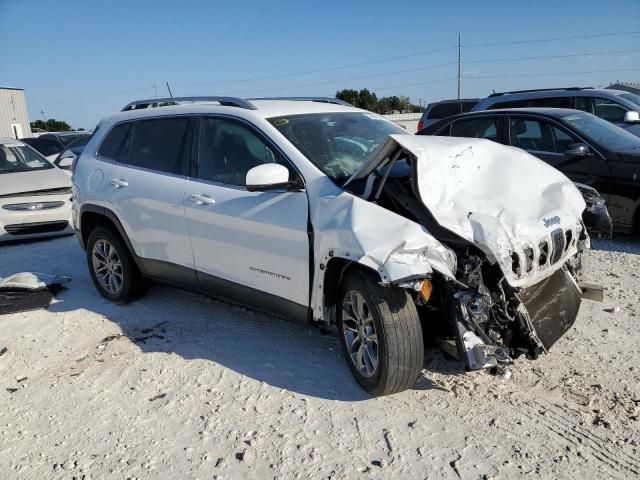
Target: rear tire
x=112 y=269
x=380 y=334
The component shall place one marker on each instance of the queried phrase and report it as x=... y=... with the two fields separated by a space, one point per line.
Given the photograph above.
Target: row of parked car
x=591 y=135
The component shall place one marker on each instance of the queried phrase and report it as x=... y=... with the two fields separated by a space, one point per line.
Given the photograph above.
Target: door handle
x=118 y=183
x=202 y=199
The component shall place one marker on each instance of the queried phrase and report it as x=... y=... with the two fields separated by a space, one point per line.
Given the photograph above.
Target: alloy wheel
x=107 y=266
x=359 y=333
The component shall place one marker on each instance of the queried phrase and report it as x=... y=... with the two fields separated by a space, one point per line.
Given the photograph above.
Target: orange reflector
x=425 y=290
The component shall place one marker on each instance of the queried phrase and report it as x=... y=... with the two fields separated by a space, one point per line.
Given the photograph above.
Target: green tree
x=367 y=100
x=52 y=125
x=348 y=95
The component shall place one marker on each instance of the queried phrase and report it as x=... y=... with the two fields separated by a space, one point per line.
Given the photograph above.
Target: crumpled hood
x=19 y=182
x=501 y=198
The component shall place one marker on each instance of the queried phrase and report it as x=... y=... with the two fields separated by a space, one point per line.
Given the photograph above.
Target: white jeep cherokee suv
x=314 y=210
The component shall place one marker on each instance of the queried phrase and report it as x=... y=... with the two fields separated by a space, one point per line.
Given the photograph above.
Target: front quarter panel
x=348 y=227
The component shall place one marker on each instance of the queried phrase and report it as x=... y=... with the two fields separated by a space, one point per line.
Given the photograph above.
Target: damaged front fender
x=354 y=229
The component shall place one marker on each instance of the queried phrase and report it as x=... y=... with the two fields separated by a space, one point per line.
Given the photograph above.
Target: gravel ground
x=177 y=385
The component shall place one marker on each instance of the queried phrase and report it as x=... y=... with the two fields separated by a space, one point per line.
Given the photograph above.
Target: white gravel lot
x=177 y=385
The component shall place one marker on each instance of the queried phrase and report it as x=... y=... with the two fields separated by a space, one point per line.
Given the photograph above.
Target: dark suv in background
x=584 y=147
x=52 y=144
x=615 y=106
x=438 y=110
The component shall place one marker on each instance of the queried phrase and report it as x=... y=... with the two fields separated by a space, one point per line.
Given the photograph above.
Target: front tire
x=380 y=334
x=112 y=269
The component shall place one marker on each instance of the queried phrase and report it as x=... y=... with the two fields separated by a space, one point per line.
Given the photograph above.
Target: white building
x=14 y=118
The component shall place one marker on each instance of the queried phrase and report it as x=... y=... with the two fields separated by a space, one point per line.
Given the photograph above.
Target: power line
x=547 y=57
x=426 y=82
x=427 y=67
x=363 y=77
x=552 y=39
x=124 y=92
x=319 y=70
x=360 y=64
x=478 y=77
x=428 y=52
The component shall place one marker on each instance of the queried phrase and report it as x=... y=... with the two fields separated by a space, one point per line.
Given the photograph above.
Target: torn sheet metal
x=552 y=306
x=349 y=227
x=523 y=214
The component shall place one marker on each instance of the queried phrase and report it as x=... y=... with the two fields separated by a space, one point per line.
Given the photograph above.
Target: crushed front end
x=517 y=243
x=492 y=323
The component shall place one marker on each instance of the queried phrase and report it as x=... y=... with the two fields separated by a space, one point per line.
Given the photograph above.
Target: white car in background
x=35 y=196
x=318 y=211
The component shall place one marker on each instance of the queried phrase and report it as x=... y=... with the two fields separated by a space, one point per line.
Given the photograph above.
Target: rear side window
x=538 y=136
x=116 y=143
x=585 y=104
x=608 y=109
x=159 y=144
x=476 y=128
x=546 y=102
x=512 y=104
x=444 y=132
x=45 y=146
x=448 y=109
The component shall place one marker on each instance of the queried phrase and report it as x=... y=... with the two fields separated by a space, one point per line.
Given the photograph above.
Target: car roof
x=560 y=92
x=63 y=134
x=545 y=111
x=9 y=140
x=265 y=108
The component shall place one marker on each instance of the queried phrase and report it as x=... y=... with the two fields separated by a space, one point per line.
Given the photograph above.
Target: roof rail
x=456 y=100
x=333 y=100
x=163 y=102
x=497 y=94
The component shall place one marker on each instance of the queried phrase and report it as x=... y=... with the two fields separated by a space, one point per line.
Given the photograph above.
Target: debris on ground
x=28 y=291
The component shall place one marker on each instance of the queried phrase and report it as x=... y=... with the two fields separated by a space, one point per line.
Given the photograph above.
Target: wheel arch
x=92 y=216
x=332 y=274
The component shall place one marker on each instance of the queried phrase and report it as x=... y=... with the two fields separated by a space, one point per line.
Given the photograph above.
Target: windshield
x=15 y=157
x=602 y=132
x=67 y=139
x=338 y=143
x=78 y=146
x=632 y=97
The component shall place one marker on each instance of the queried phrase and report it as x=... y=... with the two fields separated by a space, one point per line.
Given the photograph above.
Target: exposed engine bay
x=489 y=314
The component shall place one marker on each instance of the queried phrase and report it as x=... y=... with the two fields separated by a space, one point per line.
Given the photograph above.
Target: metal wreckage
x=489 y=237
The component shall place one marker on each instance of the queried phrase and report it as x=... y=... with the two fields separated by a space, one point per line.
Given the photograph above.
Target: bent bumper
x=553 y=306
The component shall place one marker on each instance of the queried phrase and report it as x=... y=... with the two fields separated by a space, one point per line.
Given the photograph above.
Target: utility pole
x=169 y=88
x=458 y=66
x=155 y=86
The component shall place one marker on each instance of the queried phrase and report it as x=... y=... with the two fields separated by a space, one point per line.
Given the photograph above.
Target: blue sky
x=80 y=60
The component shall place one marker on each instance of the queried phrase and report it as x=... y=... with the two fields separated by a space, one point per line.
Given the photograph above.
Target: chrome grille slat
x=557 y=244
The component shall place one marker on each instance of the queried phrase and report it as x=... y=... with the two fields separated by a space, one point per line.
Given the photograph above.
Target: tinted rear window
x=116 y=143
x=444 y=110
x=476 y=128
x=547 y=102
x=44 y=146
x=67 y=139
x=158 y=144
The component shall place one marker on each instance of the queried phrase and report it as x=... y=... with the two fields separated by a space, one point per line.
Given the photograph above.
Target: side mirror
x=65 y=162
x=631 y=117
x=269 y=176
x=577 y=150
